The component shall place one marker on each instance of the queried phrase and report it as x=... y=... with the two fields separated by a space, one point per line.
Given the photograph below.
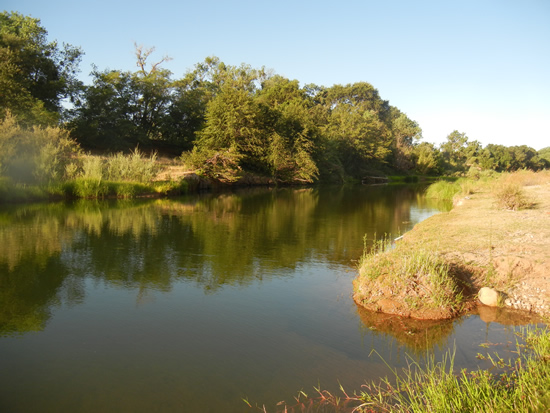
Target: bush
x=511 y=196
x=37 y=155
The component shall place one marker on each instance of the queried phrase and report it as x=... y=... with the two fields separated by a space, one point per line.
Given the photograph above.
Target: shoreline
x=483 y=246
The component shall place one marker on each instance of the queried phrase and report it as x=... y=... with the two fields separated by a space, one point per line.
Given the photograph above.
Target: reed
x=522 y=384
x=443 y=190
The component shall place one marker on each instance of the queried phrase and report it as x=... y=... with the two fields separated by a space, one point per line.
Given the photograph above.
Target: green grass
x=421 y=276
x=521 y=385
x=443 y=190
x=16 y=192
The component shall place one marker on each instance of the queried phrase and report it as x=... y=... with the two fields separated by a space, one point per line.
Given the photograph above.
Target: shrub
x=37 y=155
x=511 y=196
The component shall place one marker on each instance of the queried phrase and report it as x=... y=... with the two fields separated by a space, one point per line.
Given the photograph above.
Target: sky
x=481 y=67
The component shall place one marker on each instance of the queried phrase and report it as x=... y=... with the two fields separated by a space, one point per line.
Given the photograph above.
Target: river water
x=196 y=303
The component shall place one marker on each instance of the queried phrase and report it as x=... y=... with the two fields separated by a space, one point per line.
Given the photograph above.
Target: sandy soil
x=491 y=246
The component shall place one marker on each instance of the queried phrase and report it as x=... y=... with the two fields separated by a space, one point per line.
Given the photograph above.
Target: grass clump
x=521 y=385
x=412 y=279
x=512 y=197
x=443 y=190
x=134 y=167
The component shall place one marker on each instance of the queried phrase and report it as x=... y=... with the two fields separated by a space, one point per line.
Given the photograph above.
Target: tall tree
x=123 y=109
x=35 y=75
x=358 y=125
x=453 y=151
x=405 y=133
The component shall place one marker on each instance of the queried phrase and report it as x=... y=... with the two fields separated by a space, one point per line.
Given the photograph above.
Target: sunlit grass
x=422 y=274
x=520 y=384
x=443 y=190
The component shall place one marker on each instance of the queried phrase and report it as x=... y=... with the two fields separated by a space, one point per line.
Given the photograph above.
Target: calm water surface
x=192 y=304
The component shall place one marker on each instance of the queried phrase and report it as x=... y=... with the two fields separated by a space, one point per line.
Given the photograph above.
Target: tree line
x=227 y=120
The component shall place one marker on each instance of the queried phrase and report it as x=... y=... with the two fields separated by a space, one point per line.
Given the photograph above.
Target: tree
x=405 y=132
x=455 y=153
x=123 y=109
x=544 y=153
x=35 y=75
x=358 y=127
x=291 y=130
x=426 y=158
x=233 y=122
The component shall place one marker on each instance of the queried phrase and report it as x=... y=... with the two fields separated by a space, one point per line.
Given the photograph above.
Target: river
x=197 y=303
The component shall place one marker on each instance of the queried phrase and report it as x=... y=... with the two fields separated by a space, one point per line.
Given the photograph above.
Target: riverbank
x=479 y=243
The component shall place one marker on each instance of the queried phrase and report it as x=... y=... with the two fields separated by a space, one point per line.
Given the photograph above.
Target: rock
x=488 y=296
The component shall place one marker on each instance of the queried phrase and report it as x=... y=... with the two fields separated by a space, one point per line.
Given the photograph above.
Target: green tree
x=35 y=75
x=454 y=152
x=291 y=130
x=233 y=124
x=545 y=153
x=123 y=109
x=427 y=160
x=358 y=127
x=405 y=133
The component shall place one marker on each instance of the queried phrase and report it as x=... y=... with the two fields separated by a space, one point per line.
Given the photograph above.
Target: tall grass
x=422 y=278
x=521 y=385
x=443 y=190
x=119 y=175
x=134 y=167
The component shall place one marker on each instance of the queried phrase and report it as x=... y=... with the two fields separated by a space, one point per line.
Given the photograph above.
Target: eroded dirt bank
x=485 y=245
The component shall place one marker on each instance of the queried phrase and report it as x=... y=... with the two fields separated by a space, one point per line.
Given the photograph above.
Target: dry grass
x=512 y=197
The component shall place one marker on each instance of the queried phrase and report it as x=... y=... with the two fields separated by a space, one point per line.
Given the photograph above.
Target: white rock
x=488 y=296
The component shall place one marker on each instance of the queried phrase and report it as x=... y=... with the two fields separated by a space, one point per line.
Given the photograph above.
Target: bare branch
x=142 y=55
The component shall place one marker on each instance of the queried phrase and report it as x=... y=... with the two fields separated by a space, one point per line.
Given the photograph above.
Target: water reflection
x=192 y=303
x=239 y=238
x=417 y=336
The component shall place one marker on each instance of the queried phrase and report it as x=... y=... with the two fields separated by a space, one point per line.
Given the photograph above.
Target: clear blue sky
x=481 y=67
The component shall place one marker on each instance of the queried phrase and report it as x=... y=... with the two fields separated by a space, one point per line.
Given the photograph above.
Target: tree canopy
x=35 y=75
x=228 y=120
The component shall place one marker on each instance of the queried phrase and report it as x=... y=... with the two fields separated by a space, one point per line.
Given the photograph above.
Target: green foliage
x=405 y=132
x=261 y=122
x=35 y=75
x=544 y=154
x=16 y=192
x=220 y=165
x=513 y=158
x=426 y=158
x=134 y=167
x=521 y=384
x=37 y=155
x=443 y=190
